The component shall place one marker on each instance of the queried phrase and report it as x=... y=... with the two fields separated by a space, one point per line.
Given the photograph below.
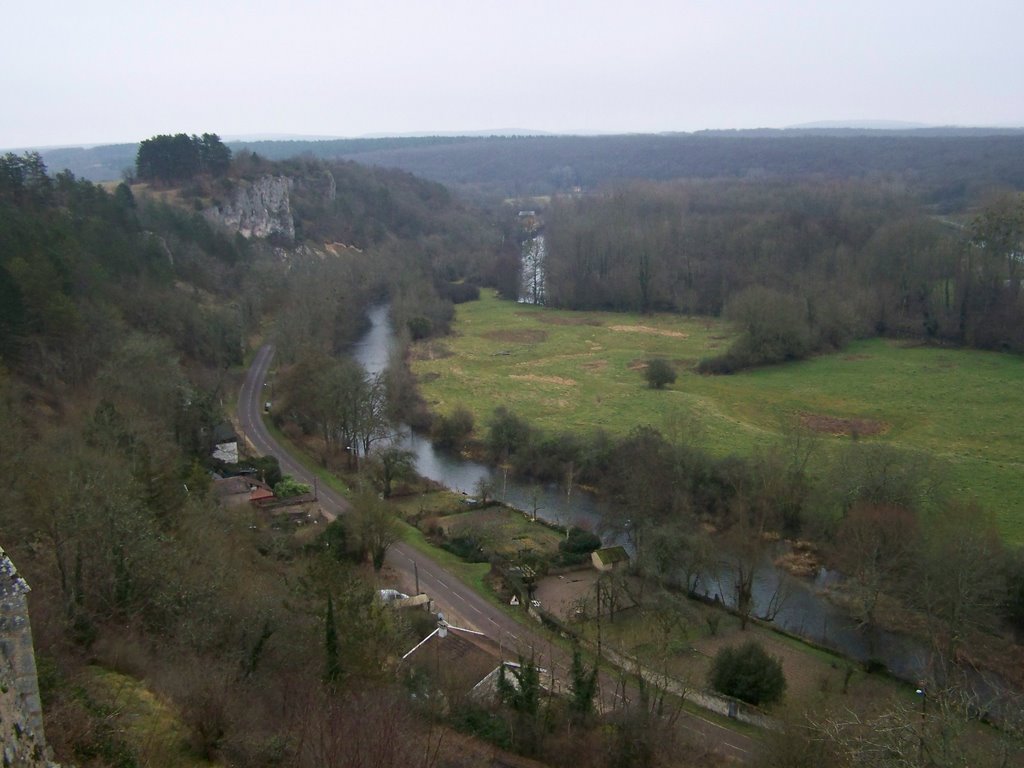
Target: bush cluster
x=577 y=546
x=748 y=673
x=450 y=432
x=659 y=373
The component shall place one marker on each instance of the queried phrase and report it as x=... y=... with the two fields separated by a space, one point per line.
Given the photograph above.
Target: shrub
x=420 y=327
x=748 y=673
x=289 y=486
x=336 y=541
x=484 y=724
x=268 y=468
x=576 y=548
x=450 y=432
x=659 y=373
x=580 y=542
x=507 y=434
x=467 y=548
x=721 y=365
x=459 y=293
x=547 y=457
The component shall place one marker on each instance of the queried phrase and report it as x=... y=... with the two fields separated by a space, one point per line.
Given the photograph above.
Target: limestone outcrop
x=260 y=208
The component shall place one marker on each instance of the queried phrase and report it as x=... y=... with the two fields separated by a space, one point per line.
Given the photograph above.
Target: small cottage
x=610 y=558
x=454 y=659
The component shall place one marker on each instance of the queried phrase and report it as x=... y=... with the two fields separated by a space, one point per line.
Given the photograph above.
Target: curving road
x=461 y=604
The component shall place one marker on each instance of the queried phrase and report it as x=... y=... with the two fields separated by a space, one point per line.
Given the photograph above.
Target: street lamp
x=442 y=633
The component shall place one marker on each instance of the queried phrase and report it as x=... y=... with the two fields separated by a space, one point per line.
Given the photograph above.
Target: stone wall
x=21 y=713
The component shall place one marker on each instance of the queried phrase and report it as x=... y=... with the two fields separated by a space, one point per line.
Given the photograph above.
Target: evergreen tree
x=522 y=694
x=332 y=667
x=168 y=159
x=214 y=156
x=747 y=672
x=584 y=686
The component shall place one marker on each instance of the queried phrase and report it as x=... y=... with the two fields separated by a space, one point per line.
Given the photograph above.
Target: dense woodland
x=168 y=159
x=800 y=267
x=950 y=166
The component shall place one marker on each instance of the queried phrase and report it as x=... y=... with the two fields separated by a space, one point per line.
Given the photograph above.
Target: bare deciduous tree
x=875 y=546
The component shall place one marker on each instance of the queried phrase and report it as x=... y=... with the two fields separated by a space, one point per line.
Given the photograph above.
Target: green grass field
x=578 y=371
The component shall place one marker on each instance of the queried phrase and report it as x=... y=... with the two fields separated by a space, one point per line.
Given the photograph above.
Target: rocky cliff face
x=261 y=208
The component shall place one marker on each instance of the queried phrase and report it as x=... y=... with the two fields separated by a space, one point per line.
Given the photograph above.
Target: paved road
x=449 y=593
x=452 y=596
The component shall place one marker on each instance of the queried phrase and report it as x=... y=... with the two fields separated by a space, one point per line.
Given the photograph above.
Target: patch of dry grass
x=523 y=336
x=649 y=331
x=558 y=380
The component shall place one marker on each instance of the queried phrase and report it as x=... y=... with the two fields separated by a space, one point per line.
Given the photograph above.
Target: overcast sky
x=109 y=71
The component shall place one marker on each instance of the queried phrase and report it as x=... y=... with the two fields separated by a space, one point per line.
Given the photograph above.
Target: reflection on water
x=803 y=611
x=373 y=352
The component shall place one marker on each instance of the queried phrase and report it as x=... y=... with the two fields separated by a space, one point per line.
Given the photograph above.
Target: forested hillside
x=950 y=168
x=124 y=318
x=950 y=165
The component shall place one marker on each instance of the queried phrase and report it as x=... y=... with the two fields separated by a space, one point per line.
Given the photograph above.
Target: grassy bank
x=579 y=371
x=147 y=726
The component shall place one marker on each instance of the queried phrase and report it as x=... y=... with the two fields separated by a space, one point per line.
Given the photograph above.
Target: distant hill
x=874 y=125
x=102 y=163
x=949 y=163
x=948 y=167
x=109 y=162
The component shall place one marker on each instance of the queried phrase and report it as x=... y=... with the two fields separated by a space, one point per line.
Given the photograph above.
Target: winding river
x=804 y=611
x=373 y=351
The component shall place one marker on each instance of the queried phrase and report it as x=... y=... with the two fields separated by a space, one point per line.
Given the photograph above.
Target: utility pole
x=570 y=476
x=923 y=693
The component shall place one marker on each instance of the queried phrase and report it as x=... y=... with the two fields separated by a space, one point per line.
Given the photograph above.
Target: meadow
x=579 y=371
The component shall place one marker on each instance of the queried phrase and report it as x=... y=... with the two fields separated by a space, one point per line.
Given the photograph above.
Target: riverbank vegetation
x=643 y=630
x=582 y=373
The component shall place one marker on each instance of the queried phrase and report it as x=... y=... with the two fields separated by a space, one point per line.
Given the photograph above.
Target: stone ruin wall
x=22 y=742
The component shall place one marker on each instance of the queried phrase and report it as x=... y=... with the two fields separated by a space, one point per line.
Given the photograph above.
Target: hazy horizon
x=857 y=125
x=116 y=71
